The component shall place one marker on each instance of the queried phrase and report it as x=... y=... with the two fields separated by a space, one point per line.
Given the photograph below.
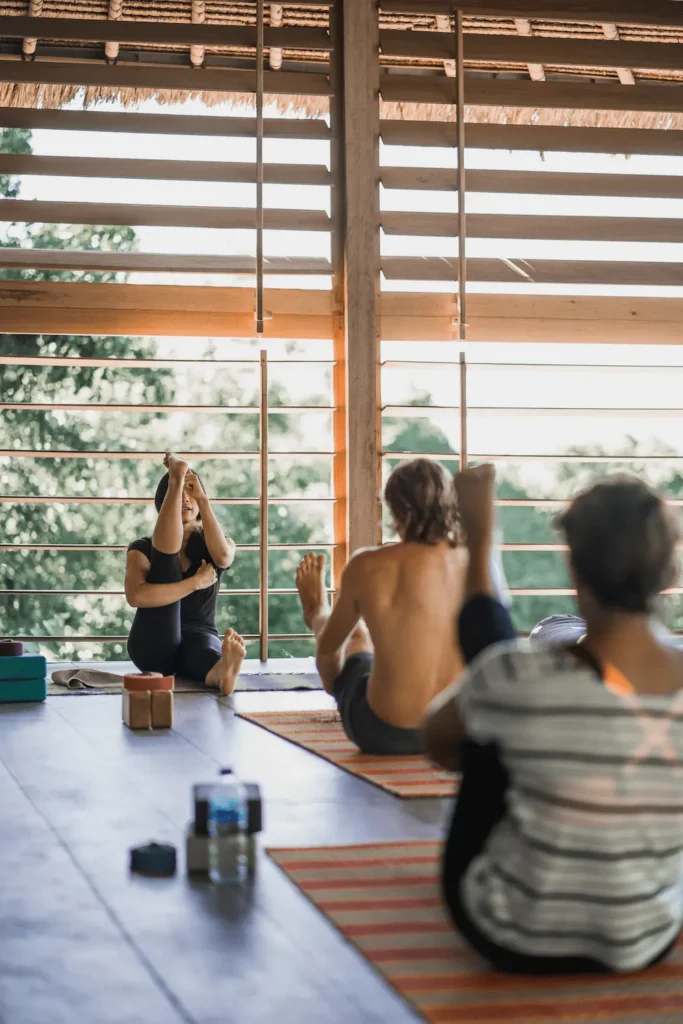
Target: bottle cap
x=155 y=859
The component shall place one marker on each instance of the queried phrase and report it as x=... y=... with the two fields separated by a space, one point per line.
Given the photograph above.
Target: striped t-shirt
x=588 y=859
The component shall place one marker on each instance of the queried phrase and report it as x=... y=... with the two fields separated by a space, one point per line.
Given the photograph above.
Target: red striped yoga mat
x=321 y=733
x=385 y=899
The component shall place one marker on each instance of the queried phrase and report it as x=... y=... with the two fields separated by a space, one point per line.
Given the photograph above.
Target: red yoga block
x=11 y=649
x=147 y=681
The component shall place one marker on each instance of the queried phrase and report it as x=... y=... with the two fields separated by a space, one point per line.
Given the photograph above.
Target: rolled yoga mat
x=147 y=681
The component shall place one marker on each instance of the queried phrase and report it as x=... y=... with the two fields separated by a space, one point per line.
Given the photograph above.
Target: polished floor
x=84 y=942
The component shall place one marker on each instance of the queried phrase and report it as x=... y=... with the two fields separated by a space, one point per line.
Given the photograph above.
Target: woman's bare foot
x=177 y=468
x=310 y=582
x=226 y=670
x=231 y=661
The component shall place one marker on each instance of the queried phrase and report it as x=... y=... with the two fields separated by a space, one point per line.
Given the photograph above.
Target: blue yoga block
x=27 y=666
x=15 y=690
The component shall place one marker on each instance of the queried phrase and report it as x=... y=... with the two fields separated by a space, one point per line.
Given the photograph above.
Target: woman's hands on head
x=205 y=576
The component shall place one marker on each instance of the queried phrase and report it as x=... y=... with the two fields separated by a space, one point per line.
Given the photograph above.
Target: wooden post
x=338 y=214
x=462 y=221
x=463 y=412
x=259 y=167
x=263 y=521
x=362 y=263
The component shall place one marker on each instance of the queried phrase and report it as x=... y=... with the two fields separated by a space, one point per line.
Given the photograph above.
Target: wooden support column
x=361 y=291
x=338 y=257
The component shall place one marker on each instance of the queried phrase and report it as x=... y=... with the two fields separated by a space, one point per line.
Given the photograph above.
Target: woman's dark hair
x=421 y=498
x=622 y=543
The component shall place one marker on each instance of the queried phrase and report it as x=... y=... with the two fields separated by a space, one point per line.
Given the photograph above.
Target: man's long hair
x=421 y=497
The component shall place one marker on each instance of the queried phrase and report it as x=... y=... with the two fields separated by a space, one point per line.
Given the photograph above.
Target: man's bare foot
x=177 y=468
x=231 y=661
x=475 y=490
x=310 y=582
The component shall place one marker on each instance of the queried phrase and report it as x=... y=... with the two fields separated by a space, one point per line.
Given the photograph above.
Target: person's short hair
x=421 y=497
x=622 y=543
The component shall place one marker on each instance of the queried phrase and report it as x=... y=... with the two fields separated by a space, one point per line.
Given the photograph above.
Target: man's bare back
x=409 y=596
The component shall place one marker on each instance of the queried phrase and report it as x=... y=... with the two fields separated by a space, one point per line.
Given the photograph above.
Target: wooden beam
x=340 y=512
x=143 y=262
x=510 y=92
x=501 y=49
x=185 y=79
x=538 y=138
x=56 y=307
x=161 y=124
x=161 y=170
x=624 y=12
x=362 y=295
x=24 y=320
x=161 y=32
x=551 y=183
x=66 y=295
x=580 y=319
x=134 y=215
x=532 y=272
x=513 y=226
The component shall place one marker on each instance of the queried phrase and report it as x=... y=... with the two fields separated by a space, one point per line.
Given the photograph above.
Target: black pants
x=481 y=805
x=157 y=641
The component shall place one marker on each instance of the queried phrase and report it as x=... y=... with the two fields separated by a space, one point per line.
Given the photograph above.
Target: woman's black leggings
x=481 y=805
x=157 y=642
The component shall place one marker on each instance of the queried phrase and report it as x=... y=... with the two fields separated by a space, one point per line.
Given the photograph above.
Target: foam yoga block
x=17 y=690
x=137 y=709
x=11 y=648
x=25 y=666
x=162 y=709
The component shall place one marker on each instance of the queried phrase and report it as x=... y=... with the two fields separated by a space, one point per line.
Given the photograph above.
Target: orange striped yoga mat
x=385 y=899
x=321 y=733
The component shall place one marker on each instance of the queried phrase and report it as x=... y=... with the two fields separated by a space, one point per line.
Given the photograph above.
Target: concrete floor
x=84 y=942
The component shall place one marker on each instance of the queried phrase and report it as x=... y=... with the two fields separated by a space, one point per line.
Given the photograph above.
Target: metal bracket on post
x=263 y=509
x=259 y=167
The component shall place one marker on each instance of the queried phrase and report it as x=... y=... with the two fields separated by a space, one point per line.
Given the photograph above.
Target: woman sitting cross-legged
x=172 y=579
x=565 y=852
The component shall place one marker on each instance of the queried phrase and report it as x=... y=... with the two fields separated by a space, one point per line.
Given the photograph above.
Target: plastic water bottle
x=227 y=826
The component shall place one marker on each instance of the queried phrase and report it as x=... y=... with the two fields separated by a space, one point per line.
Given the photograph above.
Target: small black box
x=255 y=808
x=201 y=794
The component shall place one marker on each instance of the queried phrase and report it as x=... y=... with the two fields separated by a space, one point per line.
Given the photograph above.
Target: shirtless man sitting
x=388 y=646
